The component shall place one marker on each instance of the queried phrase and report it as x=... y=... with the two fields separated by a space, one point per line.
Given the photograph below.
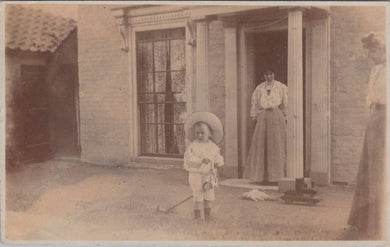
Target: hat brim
x=205 y=117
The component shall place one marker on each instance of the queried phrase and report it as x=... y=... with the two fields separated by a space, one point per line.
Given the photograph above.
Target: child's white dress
x=200 y=173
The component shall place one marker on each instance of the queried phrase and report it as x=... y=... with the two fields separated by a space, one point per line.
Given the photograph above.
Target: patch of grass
x=124 y=209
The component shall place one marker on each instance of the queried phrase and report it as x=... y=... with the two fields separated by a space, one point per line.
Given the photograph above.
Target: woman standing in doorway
x=368 y=212
x=266 y=161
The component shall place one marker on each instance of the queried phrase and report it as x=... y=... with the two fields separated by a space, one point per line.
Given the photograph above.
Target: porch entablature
x=149 y=14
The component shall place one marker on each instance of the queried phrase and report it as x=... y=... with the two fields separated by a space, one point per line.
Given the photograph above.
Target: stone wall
x=350 y=70
x=217 y=72
x=104 y=88
x=63 y=77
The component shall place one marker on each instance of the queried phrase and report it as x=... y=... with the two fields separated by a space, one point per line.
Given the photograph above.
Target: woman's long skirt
x=368 y=212
x=266 y=160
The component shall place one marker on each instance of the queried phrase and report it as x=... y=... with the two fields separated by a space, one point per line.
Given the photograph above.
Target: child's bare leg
x=207 y=210
x=197 y=207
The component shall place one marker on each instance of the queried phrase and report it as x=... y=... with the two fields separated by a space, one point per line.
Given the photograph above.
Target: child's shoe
x=197 y=214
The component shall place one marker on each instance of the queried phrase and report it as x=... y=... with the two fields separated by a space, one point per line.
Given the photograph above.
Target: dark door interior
x=64 y=113
x=271 y=51
x=34 y=132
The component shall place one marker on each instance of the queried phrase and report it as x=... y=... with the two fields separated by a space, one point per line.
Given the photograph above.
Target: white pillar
x=295 y=89
x=202 y=102
x=231 y=100
x=246 y=86
x=320 y=105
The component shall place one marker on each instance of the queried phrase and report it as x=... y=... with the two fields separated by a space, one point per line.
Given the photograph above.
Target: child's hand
x=205 y=169
x=206 y=161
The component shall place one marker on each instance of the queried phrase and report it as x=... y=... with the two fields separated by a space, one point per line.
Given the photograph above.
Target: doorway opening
x=269 y=50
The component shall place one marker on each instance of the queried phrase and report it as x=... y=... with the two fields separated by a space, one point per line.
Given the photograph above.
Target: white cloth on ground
x=256 y=195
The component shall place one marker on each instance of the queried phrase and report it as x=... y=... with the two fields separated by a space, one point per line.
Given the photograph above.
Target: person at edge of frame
x=368 y=212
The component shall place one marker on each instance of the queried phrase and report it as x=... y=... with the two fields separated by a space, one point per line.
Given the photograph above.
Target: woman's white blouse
x=377 y=85
x=197 y=151
x=277 y=97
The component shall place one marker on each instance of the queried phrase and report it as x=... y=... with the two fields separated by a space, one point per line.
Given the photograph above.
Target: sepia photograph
x=215 y=123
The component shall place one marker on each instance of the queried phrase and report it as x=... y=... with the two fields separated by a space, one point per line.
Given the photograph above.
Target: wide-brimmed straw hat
x=205 y=117
x=374 y=40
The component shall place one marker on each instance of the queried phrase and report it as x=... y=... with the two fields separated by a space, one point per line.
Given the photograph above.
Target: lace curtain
x=161 y=83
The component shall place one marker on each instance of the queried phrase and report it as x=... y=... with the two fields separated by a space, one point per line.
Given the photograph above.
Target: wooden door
x=35 y=134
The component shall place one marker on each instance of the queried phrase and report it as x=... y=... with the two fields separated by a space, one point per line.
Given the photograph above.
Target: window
x=160 y=91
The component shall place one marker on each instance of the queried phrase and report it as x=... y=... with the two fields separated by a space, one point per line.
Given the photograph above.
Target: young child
x=202 y=157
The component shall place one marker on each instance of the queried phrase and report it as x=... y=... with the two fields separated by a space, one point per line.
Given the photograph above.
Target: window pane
x=177 y=33
x=161 y=138
x=145 y=57
x=160 y=113
x=170 y=136
x=161 y=98
x=145 y=82
x=148 y=114
x=146 y=98
x=178 y=81
x=161 y=34
x=165 y=113
x=145 y=36
x=177 y=54
x=160 y=79
x=149 y=143
x=180 y=113
x=160 y=55
x=180 y=138
x=179 y=97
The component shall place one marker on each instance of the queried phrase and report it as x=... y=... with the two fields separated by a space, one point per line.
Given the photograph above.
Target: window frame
x=159 y=124
x=135 y=133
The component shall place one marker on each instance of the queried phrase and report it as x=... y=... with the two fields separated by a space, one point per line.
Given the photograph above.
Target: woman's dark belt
x=378 y=106
x=270 y=109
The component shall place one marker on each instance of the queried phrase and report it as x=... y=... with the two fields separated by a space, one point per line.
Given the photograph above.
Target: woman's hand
x=218 y=165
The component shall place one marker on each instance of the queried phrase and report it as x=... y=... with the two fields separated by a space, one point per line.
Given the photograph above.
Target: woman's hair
x=268 y=72
x=373 y=41
x=200 y=124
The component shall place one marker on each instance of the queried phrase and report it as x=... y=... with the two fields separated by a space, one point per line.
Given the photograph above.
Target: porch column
x=231 y=100
x=320 y=104
x=202 y=98
x=295 y=91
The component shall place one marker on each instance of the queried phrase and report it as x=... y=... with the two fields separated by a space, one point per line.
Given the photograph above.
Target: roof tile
x=33 y=30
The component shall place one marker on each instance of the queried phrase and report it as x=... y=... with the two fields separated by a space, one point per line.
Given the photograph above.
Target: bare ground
x=64 y=200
